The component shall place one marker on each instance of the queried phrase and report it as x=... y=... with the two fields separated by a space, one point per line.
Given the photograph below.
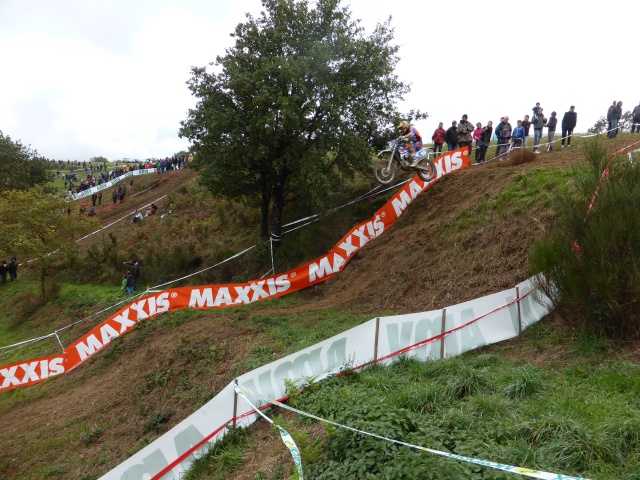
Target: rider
x=414 y=137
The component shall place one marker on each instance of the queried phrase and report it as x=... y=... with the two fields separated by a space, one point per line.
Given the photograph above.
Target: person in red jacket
x=438 y=138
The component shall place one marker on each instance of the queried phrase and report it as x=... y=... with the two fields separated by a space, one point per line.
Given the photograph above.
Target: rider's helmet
x=403 y=126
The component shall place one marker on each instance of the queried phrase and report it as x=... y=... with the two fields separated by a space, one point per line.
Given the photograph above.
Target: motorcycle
x=399 y=155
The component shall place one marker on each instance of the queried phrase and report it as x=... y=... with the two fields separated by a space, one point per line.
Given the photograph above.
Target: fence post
x=442 y=330
x=235 y=404
x=375 y=345
x=519 y=311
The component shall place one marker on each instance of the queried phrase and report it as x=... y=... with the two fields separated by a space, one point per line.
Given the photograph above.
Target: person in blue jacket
x=517 y=136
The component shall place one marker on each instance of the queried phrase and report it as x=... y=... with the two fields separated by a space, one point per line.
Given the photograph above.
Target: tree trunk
x=264 y=211
x=278 y=207
x=43 y=274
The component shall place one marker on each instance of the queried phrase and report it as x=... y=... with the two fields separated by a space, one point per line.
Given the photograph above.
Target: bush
x=592 y=261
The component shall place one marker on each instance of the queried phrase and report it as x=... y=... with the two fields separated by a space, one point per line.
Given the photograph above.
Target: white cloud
x=108 y=77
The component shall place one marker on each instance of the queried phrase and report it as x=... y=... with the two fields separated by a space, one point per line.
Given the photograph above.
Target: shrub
x=592 y=262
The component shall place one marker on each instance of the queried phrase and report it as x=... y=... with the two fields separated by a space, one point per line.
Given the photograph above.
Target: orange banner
x=228 y=295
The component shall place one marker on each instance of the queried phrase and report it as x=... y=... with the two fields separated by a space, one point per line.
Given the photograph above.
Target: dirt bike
x=397 y=153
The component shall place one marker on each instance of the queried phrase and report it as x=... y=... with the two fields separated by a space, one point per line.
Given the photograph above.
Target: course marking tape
x=527 y=472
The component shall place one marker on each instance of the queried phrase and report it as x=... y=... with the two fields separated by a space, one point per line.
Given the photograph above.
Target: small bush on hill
x=592 y=255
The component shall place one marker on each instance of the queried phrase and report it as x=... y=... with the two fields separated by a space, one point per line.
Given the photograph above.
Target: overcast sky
x=83 y=78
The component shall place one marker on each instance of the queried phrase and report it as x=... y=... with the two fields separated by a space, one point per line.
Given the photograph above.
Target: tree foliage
x=20 y=166
x=34 y=226
x=592 y=261
x=602 y=124
x=293 y=108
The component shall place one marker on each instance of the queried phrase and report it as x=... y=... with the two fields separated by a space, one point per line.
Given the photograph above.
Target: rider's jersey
x=414 y=137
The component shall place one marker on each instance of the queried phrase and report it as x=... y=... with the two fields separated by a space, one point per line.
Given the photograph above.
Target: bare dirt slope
x=82 y=424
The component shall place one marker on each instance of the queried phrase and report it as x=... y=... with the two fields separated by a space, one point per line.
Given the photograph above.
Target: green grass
x=502 y=411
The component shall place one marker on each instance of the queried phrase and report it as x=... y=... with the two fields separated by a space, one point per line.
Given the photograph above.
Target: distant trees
x=34 y=226
x=602 y=124
x=20 y=166
x=293 y=107
x=99 y=159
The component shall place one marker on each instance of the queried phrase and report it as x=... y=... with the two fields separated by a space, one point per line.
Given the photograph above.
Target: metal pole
x=442 y=330
x=58 y=338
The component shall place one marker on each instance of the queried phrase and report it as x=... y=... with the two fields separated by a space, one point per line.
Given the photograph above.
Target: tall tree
x=34 y=226
x=293 y=106
x=20 y=166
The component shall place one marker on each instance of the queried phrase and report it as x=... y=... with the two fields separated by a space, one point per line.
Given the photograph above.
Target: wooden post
x=375 y=345
x=235 y=404
x=442 y=330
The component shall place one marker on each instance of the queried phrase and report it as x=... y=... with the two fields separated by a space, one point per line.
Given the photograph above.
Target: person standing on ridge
x=465 y=133
x=568 y=124
x=451 y=136
x=551 y=125
x=635 y=119
x=438 y=138
x=13 y=269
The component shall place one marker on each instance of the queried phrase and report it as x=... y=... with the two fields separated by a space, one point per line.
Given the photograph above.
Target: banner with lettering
x=223 y=296
x=110 y=183
x=466 y=326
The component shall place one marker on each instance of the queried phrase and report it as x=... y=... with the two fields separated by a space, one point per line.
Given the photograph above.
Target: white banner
x=469 y=325
x=110 y=183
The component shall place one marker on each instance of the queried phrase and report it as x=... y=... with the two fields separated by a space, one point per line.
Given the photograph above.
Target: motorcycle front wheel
x=384 y=171
x=426 y=170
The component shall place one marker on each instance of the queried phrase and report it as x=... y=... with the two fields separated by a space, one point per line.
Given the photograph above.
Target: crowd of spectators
x=99 y=173
x=462 y=134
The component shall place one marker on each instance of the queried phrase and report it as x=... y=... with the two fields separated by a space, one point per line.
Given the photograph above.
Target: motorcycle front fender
x=384 y=152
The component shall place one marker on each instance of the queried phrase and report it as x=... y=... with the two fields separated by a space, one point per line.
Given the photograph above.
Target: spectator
x=568 y=124
x=451 y=136
x=124 y=282
x=503 y=132
x=526 y=124
x=114 y=196
x=536 y=108
x=4 y=269
x=609 y=116
x=465 y=133
x=635 y=120
x=485 y=139
x=83 y=208
x=476 y=138
x=100 y=197
x=129 y=283
x=13 y=269
x=517 y=137
x=92 y=212
x=499 y=128
x=505 y=137
x=94 y=198
x=438 y=138
x=136 y=217
x=135 y=273
x=616 y=115
x=551 y=125
x=538 y=123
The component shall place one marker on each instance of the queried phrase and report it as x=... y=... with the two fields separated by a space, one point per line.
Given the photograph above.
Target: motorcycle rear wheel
x=384 y=171
x=426 y=170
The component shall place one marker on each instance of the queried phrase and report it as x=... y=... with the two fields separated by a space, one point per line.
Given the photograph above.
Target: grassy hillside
x=466 y=237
